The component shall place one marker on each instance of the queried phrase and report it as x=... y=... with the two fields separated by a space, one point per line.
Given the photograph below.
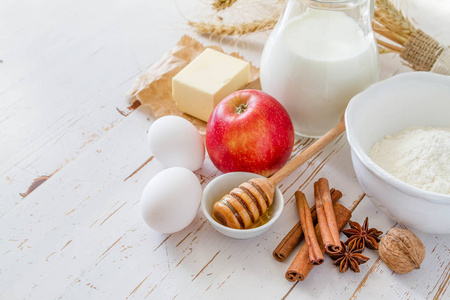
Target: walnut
x=401 y=250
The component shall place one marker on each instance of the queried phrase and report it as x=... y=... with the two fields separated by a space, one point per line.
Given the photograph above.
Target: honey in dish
x=263 y=219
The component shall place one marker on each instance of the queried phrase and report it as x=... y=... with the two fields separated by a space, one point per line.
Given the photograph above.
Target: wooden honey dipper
x=244 y=205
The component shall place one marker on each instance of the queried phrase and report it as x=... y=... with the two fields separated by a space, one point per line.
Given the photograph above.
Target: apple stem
x=241 y=108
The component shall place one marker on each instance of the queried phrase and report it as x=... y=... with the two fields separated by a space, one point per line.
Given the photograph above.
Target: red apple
x=249 y=131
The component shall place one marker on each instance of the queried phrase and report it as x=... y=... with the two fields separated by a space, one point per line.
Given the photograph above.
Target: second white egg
x=175 y=142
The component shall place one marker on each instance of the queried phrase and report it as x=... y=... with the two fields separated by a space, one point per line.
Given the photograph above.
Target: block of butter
x=209 y=78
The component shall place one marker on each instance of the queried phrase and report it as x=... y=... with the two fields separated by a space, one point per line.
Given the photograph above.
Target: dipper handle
x=308 y=153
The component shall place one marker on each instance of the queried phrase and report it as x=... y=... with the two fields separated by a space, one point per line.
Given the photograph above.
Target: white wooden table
x=65 y=68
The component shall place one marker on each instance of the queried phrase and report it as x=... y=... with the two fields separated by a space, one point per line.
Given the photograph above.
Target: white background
x=66 y=67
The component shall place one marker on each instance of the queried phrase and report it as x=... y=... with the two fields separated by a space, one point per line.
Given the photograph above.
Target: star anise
x=361 y=236
x=348 y=257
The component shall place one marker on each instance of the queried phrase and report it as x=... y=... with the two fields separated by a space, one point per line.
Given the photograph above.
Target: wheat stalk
x=390 y=23
x=221 y=29
x=222 y=4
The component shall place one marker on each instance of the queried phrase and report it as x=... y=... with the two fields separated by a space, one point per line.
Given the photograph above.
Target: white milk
x=317 y=63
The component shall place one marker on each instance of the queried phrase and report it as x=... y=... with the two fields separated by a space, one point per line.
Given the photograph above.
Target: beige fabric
x=421 y=51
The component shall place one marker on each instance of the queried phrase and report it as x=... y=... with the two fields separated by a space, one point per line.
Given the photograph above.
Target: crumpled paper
x=154 y=88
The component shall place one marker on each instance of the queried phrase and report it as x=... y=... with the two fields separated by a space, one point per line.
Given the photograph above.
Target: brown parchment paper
x=154 y=88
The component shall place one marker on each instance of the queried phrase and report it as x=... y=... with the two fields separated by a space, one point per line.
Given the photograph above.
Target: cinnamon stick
x=301 y=266
x=295 y=235
x=304 y=213
x=325 y=216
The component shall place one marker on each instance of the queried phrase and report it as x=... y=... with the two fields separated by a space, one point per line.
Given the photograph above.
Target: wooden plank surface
x=79 y=235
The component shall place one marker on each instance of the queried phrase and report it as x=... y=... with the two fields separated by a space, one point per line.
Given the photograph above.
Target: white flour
x=419 y=156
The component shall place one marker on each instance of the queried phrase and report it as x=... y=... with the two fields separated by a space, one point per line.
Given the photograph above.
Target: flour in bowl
x=419 y=156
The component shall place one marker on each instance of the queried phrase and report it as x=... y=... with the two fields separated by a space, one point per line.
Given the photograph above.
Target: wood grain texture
x=307 y=153
x=79 y=234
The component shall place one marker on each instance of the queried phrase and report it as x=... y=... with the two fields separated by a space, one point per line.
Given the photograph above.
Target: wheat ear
x=234 y=29
x=390 y=23
x=222 y=4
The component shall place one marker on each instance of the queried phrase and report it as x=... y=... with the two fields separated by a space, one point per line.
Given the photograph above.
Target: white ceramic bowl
x=222 y=185
x=387 y=107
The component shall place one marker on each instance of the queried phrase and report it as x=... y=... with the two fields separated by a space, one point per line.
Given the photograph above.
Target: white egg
x=175 y=142
x=171 y=199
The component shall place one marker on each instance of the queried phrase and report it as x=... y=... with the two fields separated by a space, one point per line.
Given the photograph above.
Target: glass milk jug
x=319 y=55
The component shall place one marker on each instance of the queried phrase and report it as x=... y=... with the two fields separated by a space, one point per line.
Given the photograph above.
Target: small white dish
x=222 y=185
x=388 y=107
